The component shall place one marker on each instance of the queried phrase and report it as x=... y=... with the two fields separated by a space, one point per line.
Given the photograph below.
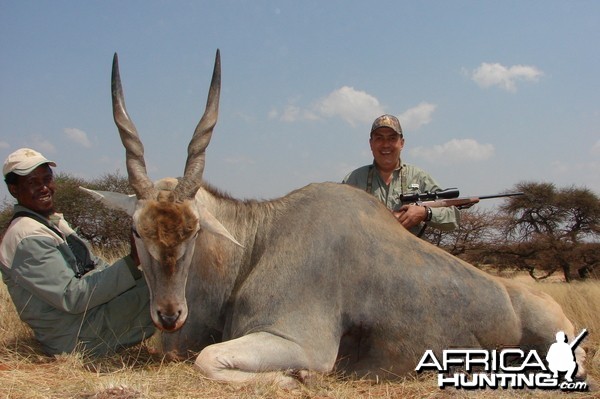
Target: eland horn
x=134 y=150
x=194 y=166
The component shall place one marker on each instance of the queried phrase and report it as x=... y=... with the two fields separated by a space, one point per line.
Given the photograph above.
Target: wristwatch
x=429 y=214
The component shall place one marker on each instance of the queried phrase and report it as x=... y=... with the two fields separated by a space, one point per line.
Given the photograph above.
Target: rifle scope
x=430 y=196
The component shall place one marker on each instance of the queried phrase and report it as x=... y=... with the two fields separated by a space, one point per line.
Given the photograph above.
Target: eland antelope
x=321 y=279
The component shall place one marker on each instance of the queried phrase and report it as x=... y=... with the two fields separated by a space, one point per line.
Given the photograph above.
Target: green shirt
x=406 y=179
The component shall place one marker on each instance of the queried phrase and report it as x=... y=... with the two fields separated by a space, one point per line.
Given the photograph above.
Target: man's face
x=36 y=190
x=386 y=145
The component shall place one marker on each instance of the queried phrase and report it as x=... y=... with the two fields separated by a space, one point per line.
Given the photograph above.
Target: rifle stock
x=460 y=203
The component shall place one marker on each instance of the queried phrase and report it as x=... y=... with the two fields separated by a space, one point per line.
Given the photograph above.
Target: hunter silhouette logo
x=560 y=356
x=507 y=368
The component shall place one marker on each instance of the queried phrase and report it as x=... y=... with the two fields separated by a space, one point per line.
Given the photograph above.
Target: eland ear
x=211 y=224
x=113 y=200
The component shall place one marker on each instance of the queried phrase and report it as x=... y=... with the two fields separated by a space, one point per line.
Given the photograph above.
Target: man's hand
x=411 y=215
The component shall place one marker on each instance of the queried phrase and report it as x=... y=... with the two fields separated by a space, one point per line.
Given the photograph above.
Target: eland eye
x=135 y=233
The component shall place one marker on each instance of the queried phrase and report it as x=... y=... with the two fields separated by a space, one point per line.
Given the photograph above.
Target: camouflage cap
x=387 y=121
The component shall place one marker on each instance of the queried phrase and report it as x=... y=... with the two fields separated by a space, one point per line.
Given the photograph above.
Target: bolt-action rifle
x=448 y=197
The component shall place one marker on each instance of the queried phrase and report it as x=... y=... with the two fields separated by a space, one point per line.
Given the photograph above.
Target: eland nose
x=168 y=320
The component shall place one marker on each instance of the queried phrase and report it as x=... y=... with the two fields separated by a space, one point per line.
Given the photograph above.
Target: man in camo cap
x=387 y=178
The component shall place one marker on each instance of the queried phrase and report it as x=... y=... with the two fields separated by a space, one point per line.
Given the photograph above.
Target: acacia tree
x=476 y=230
x=552 y=229
x=102 y=227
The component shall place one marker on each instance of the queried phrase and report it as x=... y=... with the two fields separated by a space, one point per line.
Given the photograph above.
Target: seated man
x=387 y=178
x=71 y=299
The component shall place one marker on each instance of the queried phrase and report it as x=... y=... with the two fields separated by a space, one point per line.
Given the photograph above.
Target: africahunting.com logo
x=507 y=368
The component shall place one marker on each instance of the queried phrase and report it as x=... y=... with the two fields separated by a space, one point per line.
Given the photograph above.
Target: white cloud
x=78 y=136
x=455 y=151
x=416 y=117
x=353 y=106
x=293 y=113
x=487 y=75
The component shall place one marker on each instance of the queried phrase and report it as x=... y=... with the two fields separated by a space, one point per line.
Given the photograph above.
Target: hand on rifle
x=411 y=215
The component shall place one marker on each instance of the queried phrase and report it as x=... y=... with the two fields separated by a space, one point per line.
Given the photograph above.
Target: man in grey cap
x=70 y=298
x=387 y=178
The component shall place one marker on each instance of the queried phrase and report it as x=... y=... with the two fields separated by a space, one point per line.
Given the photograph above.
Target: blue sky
x=489 y=93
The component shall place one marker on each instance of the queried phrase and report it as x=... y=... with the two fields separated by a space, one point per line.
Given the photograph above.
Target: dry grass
x=141 y=373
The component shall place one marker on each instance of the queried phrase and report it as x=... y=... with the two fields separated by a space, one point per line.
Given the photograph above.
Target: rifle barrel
x=501 y=195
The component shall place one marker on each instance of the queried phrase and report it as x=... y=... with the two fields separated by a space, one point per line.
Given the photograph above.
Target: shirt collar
x=397 y=168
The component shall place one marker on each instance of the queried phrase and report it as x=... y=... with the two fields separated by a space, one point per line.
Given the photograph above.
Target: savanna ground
x=141 y=372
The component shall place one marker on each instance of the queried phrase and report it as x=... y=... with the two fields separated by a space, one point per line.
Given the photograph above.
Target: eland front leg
x=261 y=357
